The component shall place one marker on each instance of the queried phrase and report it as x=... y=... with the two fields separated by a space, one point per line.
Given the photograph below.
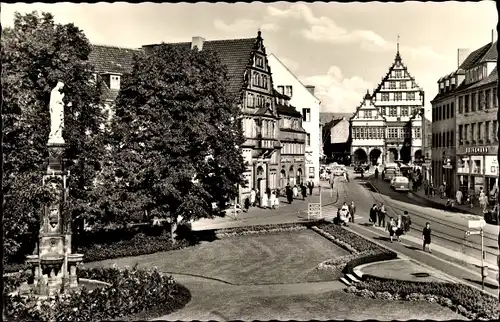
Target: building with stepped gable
x=250 y=80
x=387 y=125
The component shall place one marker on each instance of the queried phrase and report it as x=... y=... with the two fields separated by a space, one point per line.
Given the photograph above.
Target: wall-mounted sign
x=476 y=150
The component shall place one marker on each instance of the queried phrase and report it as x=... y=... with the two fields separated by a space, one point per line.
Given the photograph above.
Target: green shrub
x=378 y=256
x=354 y=240
x=131 y=292
x=482 y=306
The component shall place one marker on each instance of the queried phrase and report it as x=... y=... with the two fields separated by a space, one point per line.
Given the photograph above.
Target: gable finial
x=259 y=33
x=398 y=45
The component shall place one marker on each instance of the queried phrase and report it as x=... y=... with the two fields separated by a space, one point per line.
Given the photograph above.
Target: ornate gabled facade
x=368 y=130
x=293 y=142
x=250 y=80
x=400 y=101
x=302 y=96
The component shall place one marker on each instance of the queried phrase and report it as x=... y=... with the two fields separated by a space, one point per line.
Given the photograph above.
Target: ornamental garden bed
x=131 y=294
x=461 y=298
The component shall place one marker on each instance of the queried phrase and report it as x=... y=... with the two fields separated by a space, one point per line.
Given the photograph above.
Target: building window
x=382 y=111
x=308 y=139
x=393 y=133
x=404 y=111
x=473 y=103
x=255 y=79
x=385 y=96
x=114 y=82
x=368 y=114
x=281 y=90
x=398 y=96
x=460 y=134
x=402 y=84
x=392 y=85
x=473 y=131
x=393 y=111
x=452 y=110
x=288 y=91
x=306 y=114
x=495 y=98
x=466 y=104
x=398 y=74
x=460 y=105
x=259 y=61
x=410 y=96
x=264 y=81
x=487 y=135
x=487 y=99
x=250 y=101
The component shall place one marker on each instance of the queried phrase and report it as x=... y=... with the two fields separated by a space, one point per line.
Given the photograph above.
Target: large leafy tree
x=36 y=54
x=176 y=138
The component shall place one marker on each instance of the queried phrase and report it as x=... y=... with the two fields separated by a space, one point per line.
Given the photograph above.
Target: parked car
x=389 y=173
x=400 y=183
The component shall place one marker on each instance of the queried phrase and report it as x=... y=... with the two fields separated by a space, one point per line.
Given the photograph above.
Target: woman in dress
x=399 y=227
x=391 y=227
x=265 y=200
x=272 y=200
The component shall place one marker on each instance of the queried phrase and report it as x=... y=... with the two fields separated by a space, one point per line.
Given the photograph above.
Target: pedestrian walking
x=272 y=200
x=311 y=187
x=381 y=216
x=253 y=193
x=391 y=228
x=406 y=222
x=247 y=204
x=352 y=211
x=257 y=196
x=277 y=202
x=304 y=191
x=459 y=196
x=295 y=192
x=373 y=214
x=344 y=214
x=426 y=237
x=265 y=200
x=399 y=227
x=289 y=194
x=376 y=173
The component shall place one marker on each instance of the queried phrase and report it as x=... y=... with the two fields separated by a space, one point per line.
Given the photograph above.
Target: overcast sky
x=341 y=48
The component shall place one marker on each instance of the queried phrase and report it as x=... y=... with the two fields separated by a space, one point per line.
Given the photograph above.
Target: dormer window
x=114 y=82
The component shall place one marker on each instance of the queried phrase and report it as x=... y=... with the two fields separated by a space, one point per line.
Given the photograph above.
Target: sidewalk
x=476 y=210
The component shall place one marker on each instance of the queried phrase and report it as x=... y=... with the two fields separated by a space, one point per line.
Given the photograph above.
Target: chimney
x=197 y=42
x=310 y=88
x=462 y=54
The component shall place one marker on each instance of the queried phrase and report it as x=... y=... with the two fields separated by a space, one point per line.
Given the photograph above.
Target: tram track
x=463 y=242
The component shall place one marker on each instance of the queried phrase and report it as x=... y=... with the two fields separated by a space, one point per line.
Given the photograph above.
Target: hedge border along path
x=132 y=294
x=460 y=298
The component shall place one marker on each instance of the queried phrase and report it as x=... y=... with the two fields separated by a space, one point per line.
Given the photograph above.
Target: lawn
x=287 y=257
x=225 y=303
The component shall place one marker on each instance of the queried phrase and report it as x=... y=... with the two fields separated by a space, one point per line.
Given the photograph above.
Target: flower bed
x=131 y=292
x=357 y=242
x=140 y=244
x=261 y=229
x=362 y=250
x=461 y=298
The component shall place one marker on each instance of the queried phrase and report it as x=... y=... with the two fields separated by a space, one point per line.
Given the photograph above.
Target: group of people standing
x=346 y=213
x=395 y=227
x=270 y=198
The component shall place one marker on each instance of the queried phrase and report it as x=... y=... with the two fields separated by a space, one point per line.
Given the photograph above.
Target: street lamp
x=475 y=224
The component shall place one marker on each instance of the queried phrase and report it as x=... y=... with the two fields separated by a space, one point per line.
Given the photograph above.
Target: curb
x=359 y=274
x=455 y=209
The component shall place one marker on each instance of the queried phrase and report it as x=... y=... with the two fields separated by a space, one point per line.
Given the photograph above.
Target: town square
x=250 y=161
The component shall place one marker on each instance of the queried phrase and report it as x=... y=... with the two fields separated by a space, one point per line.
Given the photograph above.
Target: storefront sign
x=300 y=159
x=476 y=150
x=491 y=165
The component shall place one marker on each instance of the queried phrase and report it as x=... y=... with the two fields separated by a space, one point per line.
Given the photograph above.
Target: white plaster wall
x=301 y=98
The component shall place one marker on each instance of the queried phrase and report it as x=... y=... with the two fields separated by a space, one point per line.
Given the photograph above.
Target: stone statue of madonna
x=56 y=114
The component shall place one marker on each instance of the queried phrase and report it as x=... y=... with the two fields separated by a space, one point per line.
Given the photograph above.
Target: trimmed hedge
x=139 y=244
x=354 y=240
x=259 y=229
x=131 y=292
x=377 y=256
x=464 y=299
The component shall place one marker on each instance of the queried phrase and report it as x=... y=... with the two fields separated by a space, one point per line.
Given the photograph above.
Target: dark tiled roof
x=234 y=53
x=492 y=78
x=107 y=59
x=325 y=117
x=279 y=95
x=491 y=54
x=474 y=57
x=287 y=110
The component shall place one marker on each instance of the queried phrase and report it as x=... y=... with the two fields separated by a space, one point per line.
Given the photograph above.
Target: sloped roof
x=475 y=57
x=234 y=53
x=109 y=59
x=492 y=78
x=287 y=110
x=279 y=95
x=325 y=117
x=491 y=54
x=397 y=59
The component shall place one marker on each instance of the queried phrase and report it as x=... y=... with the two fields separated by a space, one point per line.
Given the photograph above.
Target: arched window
x=264 y=81
x=250 y=102
x=255 y=79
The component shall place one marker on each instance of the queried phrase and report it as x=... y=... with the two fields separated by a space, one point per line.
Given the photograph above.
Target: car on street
x=360 y=167
x=400 y=183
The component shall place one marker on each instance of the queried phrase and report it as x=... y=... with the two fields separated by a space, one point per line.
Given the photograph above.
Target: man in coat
x=352 y=211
